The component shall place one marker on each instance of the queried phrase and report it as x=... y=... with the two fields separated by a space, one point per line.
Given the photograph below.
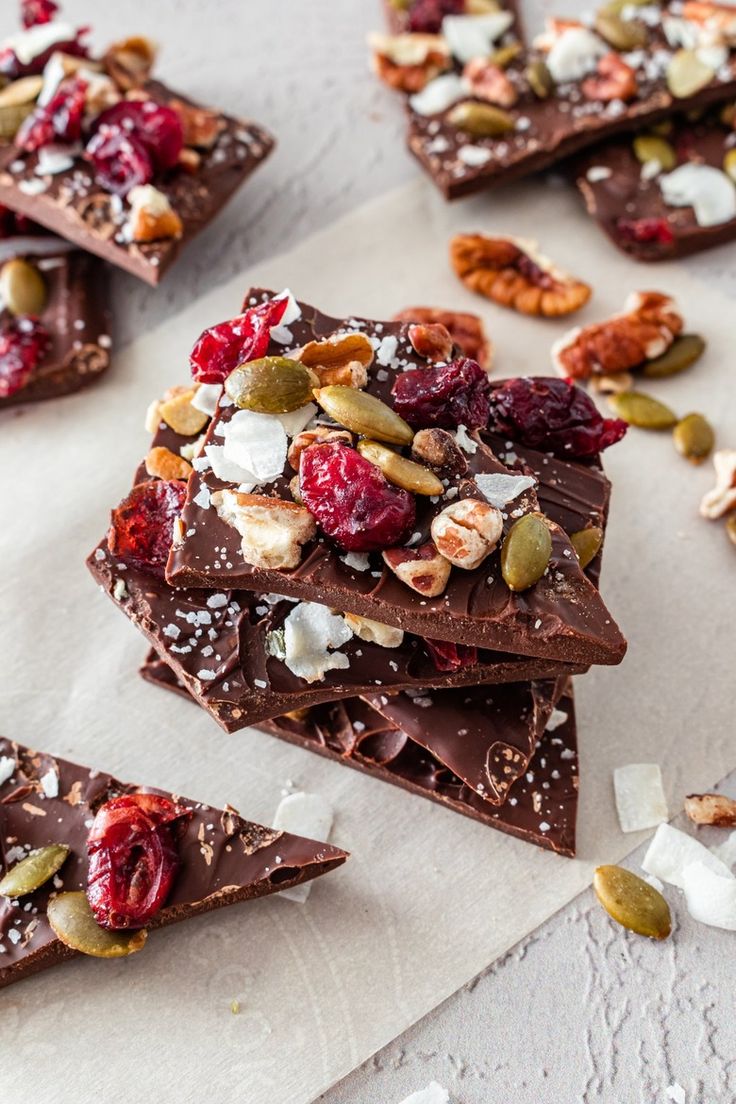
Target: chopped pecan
x=722 y=499
x=646 y=329
x=202 y=127
x=467 y=531
x=130 y=62
x=466 y=330
x=511 y=273
x=308 y=437
x=151 y=216
x=272 y=530
x=711 y=808
x=407 y=62
x=423 y=568
x=189 y=160
x=375 y=632
x=338 y=351
x=431 y=340
x=162 y=463
x=716 y=17
x=489 y=82
x=439 y=450
x=614 y=80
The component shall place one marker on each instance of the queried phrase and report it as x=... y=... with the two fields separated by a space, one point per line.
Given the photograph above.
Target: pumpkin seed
x=731 y=528
x=540 y=79
x=650 y=147
x=727 y=114
x=480 y=120
x=11 y=118
x=622 y=34
x=687 y=74
x=73 y=922
x=729 y=164
x=526 y=552
x=22 y=287
x=363 y=414
x=21 y=92
x=632 y=902
x=682 y=354
x=272 y=385
x=481 y=7
x=504 y=55
x=404 y=473
x=34 y=871
x=587 y=544
x=694 y=437
x=642 y=410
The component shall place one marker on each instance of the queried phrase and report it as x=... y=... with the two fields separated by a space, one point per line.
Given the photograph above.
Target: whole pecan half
x=646 y=329
x=465 y=329
x=510 y=272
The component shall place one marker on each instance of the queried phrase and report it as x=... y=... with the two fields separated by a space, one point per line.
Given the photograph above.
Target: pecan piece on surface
x=722 y=498
x=711 y=808
x=343 y=359
x=438 y=449
x=614 y=80
x=466 y=330
x=130 y=62
x=646 y=329
x=318 y=435
x=162 y=463
x=407 y=62
x=511 y=273
x=423 y=568
x=272 y=530
x=431 y=340
x=488 y=82
x=467 y=531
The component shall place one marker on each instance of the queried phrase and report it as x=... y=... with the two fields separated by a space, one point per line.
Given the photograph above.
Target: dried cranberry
x=120 y=161
x=141 y=530
x=646 y=231
x=133 y=858
x=23 y=343
x=223 y=347
x=426 y=16
x=552 y=415
x=157 y=127
x=446 y=395
x=60 y=120
x=451 y=657
x=352 y=500
x=35 y=12
x=13 y=68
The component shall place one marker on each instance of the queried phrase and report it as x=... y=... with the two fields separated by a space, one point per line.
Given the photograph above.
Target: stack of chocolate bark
x=379 y=554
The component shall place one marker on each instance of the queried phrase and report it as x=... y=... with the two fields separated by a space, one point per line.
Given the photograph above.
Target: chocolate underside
x=626 y=194
x=224 y=858
x=76 y=318
x=76 y=208
x=562 y=617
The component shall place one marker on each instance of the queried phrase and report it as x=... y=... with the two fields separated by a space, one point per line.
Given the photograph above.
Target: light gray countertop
x=578 y=1011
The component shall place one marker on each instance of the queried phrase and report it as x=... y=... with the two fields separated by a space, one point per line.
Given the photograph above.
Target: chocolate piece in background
x=397 y=15
x=562 y=617
x=541 y=808
x=76 y=317
x=627 y=201
x=224 y=858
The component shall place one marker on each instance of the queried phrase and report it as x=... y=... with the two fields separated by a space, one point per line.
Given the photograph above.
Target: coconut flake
x=710 y=897
x=35 y=41
x=500 y=489
x=222 y=468
x=296 y=420
x=206 y=398
x=671 y=851
x=472 y=36
x=597 y=173
x=574 y=54
x=709 y=191
x=53 y=160
x=556 y=719
x=7 y=768
x=474 y=156
x=50 y=783
x=257 y=443
x=307 y=815
x=726 y=851
x=310 y=631
x=433 y=1094
x=439 y=94
x=358 y=561
x=640 y=799
x=465 y=441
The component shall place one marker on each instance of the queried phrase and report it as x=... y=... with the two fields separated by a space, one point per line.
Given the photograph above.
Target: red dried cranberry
x=222 y=348
x=133 y=858
x=35 y=12
x=12 y=68
x=446 y=395
x=157 y=127
x=141 y=530
x=552 y=415
x=120 y=161
x=60 y=120
x=352 y=500
x=425 y=16
x=23 y=343
x=451 y=657
x=646 y=231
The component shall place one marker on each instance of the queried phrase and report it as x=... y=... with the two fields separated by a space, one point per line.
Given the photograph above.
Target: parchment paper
x=429 y=898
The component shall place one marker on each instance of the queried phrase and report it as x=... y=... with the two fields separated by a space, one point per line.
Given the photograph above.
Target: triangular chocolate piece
x=223 y=858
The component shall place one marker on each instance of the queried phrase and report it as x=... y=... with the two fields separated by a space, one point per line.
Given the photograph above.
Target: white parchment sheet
x=428 y=898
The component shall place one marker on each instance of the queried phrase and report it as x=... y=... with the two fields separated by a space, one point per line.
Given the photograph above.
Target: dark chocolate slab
x=562 y=617
x=224 y=859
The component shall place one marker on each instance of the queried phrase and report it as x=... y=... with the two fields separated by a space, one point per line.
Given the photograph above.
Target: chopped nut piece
x=431 y=340
x=179 y=414
x=202 y=127
x=615 y=80
x=162 y=463
x=407 y=62
x=272 y=530
x=130 y=62
x=308 y=437
x=467 y=330
x=711 y=809
x=386 y=636
x=612 y=385
x=190 y=160
x=467 y=531
x=151 y=216
x=511 y=273
x=153 y=416
x=342 y=359
x=722 y=498
x=438 y=449
x=488 y=82
x=423 y=569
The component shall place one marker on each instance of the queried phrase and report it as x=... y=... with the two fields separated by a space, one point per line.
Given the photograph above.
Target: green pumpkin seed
x=272 y=385
x=480 y=120
x=694 y=437
x=731 y=528
x=73 y=922
x=650 y=147
x=34 y=871
x=632 y=902
x=540 y=79
x=622 y=34
x=587 y=544
x=22 y=287
x=526 y=552
x=687 y=74
x=404 y=473
x=504 y=55
x=642 y=410
x=364 y=414
x=682 y=353
x=729 y=164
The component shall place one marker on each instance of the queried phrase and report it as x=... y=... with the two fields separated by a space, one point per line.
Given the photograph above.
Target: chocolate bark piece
x=627 y=202
x=224 y=858
x=561 y=618
x=76 y=317
x=70 y=203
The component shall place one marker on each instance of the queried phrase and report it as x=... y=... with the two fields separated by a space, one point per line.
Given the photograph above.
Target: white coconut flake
x=257 y=443
x=202 y=498
x=358 y=561
x=206 y=398
x=709 y=191
x=222 y=468
x=433 y=1094
x=32 y=187
x=296 y=420
x=499 y=489
x=726 y=851
x=597 y=173
x=307 y=815
x=557 y=718
x=640 y=799
x=465 y=441
x=311 y=631
x=439 y=94
x=474 y=156
x=710 y=897
x=50 y=783
x=53 y=160
x=293 y=311
x=671 y=851
x=30 y=44
x=7 y=768
x=574 y=54
x=472 y=36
